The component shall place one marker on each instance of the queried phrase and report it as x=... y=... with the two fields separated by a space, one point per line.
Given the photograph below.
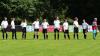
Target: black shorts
x=44 y=30
x=13 y=30
x=24 y=29
x=36 y=30
x=66 y=31
x=76 y=30
x=56 y=30
x=4 y=30
x=84 y=30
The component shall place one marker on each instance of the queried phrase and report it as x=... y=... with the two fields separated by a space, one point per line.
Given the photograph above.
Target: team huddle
x=45 y=24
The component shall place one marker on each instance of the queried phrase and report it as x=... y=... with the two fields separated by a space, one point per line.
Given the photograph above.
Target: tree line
x=31 y=9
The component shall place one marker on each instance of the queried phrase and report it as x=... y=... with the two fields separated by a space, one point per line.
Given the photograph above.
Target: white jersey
x=36 y=25
x=4 y=24
x=45 y=25
x=23 y=24
x=84 y=25
x=65 y=26
x=76 y=24
x=56 y=24
x=12 y=25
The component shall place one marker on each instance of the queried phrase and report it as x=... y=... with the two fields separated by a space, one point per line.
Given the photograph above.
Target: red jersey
x=94 y=27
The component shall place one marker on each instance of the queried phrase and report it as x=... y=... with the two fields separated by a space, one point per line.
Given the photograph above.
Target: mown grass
x=50 y=47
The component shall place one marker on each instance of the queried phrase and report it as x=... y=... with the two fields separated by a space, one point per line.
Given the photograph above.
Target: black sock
x=22 y=35
x=3 y=35
x=58 y=36
x=85 y=36
x=64 y=36
x=34 y=36
x=74 y=36
x=12 y=36
x=77 y=36
x=6 y=36
x=25 y=35
x=46 y=36
x=55 y=36
x=15 y=36
x=37 y=36
x=68 y=37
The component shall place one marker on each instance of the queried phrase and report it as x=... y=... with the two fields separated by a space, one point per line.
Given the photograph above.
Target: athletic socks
x=74 y=36
x=77 y=36
x=55 y=36
x=37 y=36
x=6 y=35
x=46 y=36
x=85 y=36
x=64 y=36
x=34 y=36
x=58 y=36
x=68 y=37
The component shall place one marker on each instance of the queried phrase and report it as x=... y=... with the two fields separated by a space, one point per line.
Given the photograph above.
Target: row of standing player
x=45 y=25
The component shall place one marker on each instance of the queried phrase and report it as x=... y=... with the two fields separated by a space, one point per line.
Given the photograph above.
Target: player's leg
x=12 y=33
x=46 y=33
x=58 y=33
x=65 y=34
x=77 y=36
x=84 y=33
x=94 y=34
x=34 y=33
x=3 y=33
x=22 y=33
x=25 y=34
x=15 y=34
x=68 y=34
x=77 y=33
x=85 y=36
x=55 y=34
x=6 y=34
x=74 y=32
x=37 y=33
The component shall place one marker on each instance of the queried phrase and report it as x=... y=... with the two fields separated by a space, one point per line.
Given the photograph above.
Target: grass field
x=50 y=47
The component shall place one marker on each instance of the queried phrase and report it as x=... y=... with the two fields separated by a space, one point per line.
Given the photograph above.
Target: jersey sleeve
x=11 y=23
x=47 y=23
x=7 y=23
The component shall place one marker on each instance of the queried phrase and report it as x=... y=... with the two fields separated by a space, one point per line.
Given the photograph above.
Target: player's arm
x=63 y=27
x=11 y=24
x=7 y=23
x=48 y=24
x=1 y=24
x=33 y=23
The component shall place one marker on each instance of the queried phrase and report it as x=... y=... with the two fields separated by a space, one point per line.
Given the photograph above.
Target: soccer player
x=85 y=28
x=45 y=26
x=13 y=29
x=76 y=26
x=36 y=28
x=66 y=29
x=94 y=28
x=4 y=25
x=56 y=28
x=23 y=25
